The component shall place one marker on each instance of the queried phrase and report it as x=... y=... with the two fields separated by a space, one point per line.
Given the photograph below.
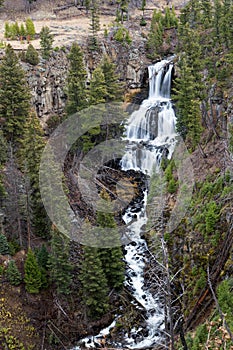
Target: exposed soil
x=71 y=24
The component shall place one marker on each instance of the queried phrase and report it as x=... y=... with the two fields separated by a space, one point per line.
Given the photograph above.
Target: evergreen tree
x=30 y=28
x=13 y=274
x=3 y=157
x=113 y=87
x=94 y=26
x=32 y=56
x=59 y=265
x=190 y=44
x=76 y=81
x=42 y=257
x=226 y=23
x=16 y=30
x=111 y=258
x=155 y=37
x=217 y=20
x=14 y=96
x=23 y=31
x=187 y=105
x=98 y=89
x=7 y=31
x=32 y=273
x=206 y=13
x=46 y=42
x=97 y=95
x=32 y=145
x=4 y=246
x=94 y=283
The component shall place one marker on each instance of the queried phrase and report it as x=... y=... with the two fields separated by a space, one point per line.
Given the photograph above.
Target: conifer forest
x=116 y=174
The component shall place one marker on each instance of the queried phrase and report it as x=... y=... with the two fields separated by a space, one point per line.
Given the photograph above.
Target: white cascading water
x=150 y=132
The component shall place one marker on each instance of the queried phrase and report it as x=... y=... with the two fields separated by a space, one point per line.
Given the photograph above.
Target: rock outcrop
x=47 y=80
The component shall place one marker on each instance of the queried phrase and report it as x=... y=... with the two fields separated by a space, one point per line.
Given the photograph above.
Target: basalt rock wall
x=48 y=79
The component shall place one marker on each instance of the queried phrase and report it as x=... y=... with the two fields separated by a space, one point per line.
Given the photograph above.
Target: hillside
x=58 y=288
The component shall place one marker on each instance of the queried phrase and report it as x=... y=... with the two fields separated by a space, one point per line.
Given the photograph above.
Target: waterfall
x=151 y=128
x=150 y=133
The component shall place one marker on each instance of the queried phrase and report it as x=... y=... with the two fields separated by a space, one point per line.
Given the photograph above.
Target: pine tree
x=217 y=20
x=94 y=283
x=3 y=157
x=59 y=265
x=32 y=56
x=113 y=87
x=13 y=274
x=206 y=13
x=111 y=258
x=155 y=37
x=22 y=30
x=32 y=274
x=7 y=31
x=4 y=246
x=16 y=30
x=46 y=42
x=42 y=257
x=94 y=26
x=30 y=28
x=187 y=105
x=226 y=23
x=76 y=81
x=32 y=145
x=97 y=95
x=98 y=89
x=14 y=96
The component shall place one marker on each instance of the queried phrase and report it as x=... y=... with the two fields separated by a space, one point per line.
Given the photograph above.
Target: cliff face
x=47 y=84
x=47 y=80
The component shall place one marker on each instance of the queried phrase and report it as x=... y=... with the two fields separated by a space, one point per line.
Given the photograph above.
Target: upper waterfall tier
x=160 y=80
x=151 y=129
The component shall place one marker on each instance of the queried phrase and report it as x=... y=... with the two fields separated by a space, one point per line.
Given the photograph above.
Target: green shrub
x=122 y=35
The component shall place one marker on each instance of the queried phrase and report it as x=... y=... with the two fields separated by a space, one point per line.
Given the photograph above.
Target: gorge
x=150 y=133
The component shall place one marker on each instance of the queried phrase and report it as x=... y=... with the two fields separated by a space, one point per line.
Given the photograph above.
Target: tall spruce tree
x=97 y=95
x=111 y=258
x=155 y=37
x=94 y=283
x=94 y=26
x=58 y=262
x=112 y=84
x=46 y=41
x=98 y=89
x=14 y=96
x=187 y=105
x=32 y=145
x=76 y=81
x=32 y=273
x=30 y=29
